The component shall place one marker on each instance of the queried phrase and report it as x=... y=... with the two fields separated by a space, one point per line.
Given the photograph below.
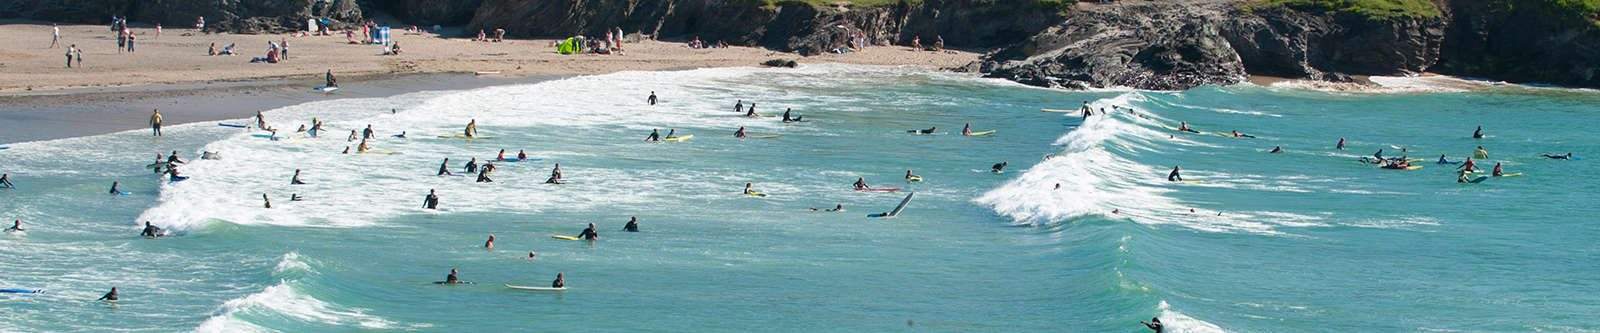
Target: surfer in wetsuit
x=1378 y=156
x=751 y=112
x=267 y=201
x=998 y=167
x=738 y=106
x=1443 y=160
x=739 y=133
x=911 y=177
x=1155 y=325
x=1339 y=146
x=472 y=129
x=1478 y=133
x=836 y=208
x=296 y=179
x=261 y=120
x=1183 y=126
x=402 y=135
x=15 y=226
x=352 y=136
x=452 y=279
x=431 y=201
x=173 y=159
x=652 y=98
x=861 y=184
x=589 y=233
x=114 y=190
x=749 y=190
x=483 y=173
x=296 y=197
x=444 y=168
x=786 y=116
x=1497 y=171
x=926 y=131
x=5 y=181
x=655 y=136
x=367 y=133
x=472 y=165
x=1546 y=156
x=672 y=133
x=330 y=81
x=150 y=231
x=633 y=224
x=1276 y=150
x=110 y=296
x=560 y=282
x=1236 y=134
x=1174 y=176
x=966 y=130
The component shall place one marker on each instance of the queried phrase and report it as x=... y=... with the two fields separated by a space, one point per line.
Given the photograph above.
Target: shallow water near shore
x=1306 y=240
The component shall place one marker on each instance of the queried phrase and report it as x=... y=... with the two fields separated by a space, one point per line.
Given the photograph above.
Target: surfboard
x=756 y=194
x=457 y=282
x=233 y=125
x=1480 y=156
x=20 y=291
x=1414 y=167
x=178 y=179
x=564 y=237
x=678 y=138
x=530 y=288
x=897 y=208
x=982 y=133
x=761 y=136
x=1513 y=174
x=880 y=190
x=325 y=89
x=914 y=179
x=1480 y=179
x=1059 y=110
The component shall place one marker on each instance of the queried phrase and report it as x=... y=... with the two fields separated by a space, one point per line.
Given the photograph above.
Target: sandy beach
x=30 y=66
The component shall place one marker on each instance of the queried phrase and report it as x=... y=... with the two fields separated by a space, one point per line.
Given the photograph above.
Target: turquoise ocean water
x=1304 y=241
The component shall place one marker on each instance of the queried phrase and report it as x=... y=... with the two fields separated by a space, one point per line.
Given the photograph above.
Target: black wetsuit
x=652 y=99
x=558 y=283
x=1158 y=327
x=444 y=168
x=998 y=167
x=472 y=166
x=1174 y=176
x=150 y=231
x=588 y=234
x=654 y=136
x=632 y=226
x=431 y=202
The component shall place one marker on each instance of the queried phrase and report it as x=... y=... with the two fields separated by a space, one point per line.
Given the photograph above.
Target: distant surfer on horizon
x=1175 y=176
x=633 y=224
x=589 y=233
x=1155 y=325
x=1478 y=133
x=652 y=98
x=431 y=201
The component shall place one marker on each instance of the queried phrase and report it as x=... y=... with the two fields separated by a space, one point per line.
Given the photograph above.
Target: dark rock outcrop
x=787 y=63
x=1521 y=41
x=243 y=16
x=1295 y=44
x=429 y=12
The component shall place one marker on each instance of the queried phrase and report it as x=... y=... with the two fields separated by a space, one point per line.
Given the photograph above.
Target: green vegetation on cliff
x=1374 y=9
x=1568 y=11
x=1048 y=4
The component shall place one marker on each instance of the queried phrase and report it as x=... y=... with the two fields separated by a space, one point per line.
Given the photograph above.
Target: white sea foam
x=285 y=301
x=1178 y=322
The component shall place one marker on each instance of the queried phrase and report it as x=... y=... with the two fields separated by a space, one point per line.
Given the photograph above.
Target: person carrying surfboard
x=1174 y=176
x=655 y=136
x=431 y=201
x=589 y=233
x=633 y=224
x=861 y=184
x=739 y=133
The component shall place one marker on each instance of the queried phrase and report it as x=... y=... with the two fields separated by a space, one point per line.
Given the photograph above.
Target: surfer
x=1174 y=176
x=210 y=155
x=452 y=279
x=352 y=136
x=1378 y=156
x=366 y=133
x=472 y=165
x=966 y=130
x=672 y=133
x=444 y=168
x=1339 y=146
x=1236 y=134
x=1568 y=156
x=431 y=201
x=652 y=98
x=1276 y=150
x=296 y=179
x=1468 y=166
x=739 y=133
x=1183 y=126
x=748 y=190
x=836 y=208
x=330 y=81
x=1155 y=325
x=5 y=181
x=786 y=116
x=926 y=131
x=1461 y=177
x=522 y=155
x=998 y=167
x=490 y=243
x=1478 y=133
x=296 y=197
x=114 y=190
x=261 y=120
x=633 y=224
x=266 y=201
x=16 y=226
x=589 y=233
x=155 y=122
x=1480 y=153
x=402 y=135
x=110 y=296
x=346 y=150
x=751 y=112
x=655 y=136
x=1084 y=108
x=910 y=177
x=738 y=107
x=172 y=175
x=1497 y=171
x=173 y=159
x=472 y=129
x=560 y=282
x=150 y=231
x=483 y=173
x=363 y=147
x=1443 y=160
x=861 y=184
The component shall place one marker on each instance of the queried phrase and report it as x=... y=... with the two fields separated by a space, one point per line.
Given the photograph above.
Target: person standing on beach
x=70 y=50
x=155 y=122
x=200 y=24
x=77 y=54
x=130 y=42
x=158 y=30
x=283 y=49
x=55 y=35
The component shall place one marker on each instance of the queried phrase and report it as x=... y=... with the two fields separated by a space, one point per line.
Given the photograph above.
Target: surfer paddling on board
x=1183 y=126
x=1236 y=134
x=109 y=296
x=16 y=226
x=1276 y=150
x=1568 y=156
x=925 y=131
x=1443 y=160
x=999 y=167
x=150 y=231
x=861 y=184
x=1174 y=176
x=589 y=233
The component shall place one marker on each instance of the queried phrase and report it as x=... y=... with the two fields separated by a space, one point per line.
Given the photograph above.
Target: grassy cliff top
x=1376 y=9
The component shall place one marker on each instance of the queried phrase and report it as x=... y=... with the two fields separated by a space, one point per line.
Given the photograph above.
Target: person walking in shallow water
x=155 y=122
